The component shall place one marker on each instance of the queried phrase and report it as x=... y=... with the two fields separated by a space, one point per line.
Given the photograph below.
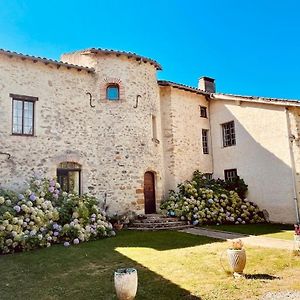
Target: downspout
x=291 y=140
x=208 y=99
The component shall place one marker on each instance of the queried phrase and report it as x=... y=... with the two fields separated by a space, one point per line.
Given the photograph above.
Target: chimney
x=207 y=84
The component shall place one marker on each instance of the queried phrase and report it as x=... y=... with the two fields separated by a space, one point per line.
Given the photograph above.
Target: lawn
x=171 y=266
x=279 y=231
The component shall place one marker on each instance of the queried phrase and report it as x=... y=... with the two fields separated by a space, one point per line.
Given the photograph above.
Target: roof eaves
x=267 y=100
x=45 y=60
x=118 y=53
x=182 y=87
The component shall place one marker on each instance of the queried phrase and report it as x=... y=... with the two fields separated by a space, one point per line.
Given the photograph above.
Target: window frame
x=67 y=170
x=112 y=85
x=228 y=139
x=205 y=147
x=229 y=172
x=203 y=112
x=208 y=176
x=23 y=99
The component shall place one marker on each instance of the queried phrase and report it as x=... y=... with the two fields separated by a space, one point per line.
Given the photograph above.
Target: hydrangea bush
x=207 y=201
x=44 y=215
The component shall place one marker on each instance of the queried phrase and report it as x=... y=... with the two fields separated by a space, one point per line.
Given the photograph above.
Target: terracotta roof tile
x=116 y=52
x=45 y=60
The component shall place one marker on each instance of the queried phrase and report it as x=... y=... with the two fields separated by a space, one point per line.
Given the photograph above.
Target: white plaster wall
x=261 y=154
x=182 y=131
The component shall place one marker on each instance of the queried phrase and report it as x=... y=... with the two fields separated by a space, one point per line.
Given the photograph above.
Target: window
x=205 y=141
x=203 y=112
x=69 y=177
x=228 y=134
x=23 y=114
x=112 y=92
x=230 y=174
x=208 y=175
x=154 y=129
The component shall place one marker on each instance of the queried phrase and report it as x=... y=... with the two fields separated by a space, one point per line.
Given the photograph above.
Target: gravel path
x=286 y=295
x=250 y=240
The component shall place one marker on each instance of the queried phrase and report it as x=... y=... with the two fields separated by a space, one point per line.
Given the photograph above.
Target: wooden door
x=149 y=193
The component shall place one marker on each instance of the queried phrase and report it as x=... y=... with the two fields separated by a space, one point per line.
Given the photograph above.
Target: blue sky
x=249 y=47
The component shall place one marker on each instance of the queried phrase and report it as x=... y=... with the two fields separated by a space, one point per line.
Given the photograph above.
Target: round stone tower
x=125 y=165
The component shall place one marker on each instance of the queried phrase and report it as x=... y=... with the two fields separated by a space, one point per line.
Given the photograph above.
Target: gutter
x=291 y=138
x=261 y=100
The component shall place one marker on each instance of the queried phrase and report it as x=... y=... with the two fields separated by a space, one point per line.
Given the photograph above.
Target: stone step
x=152 y=220
x=160 y=228
x=158 y=224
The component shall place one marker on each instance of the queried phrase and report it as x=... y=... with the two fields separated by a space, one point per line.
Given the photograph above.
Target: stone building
x=102 y=123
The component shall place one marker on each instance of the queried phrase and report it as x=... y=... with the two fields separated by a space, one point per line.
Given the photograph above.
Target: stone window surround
x=23 y=98
x=111 y=81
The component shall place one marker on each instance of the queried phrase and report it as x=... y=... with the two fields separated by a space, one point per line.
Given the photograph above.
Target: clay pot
x=118 y=226
x=237 y=259
x=126 y=282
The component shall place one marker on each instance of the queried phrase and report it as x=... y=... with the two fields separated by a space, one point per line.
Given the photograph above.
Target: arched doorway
x=149 y=193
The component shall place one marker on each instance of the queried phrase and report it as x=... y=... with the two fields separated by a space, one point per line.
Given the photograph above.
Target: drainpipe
x=291 y=140
x=208 y=99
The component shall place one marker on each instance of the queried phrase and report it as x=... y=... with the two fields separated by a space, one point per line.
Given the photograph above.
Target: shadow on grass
x=160 y=240
x=253 y=229
x=86 y=271
x=261 y=276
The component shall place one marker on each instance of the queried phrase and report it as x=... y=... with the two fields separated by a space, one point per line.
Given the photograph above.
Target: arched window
x=112 y=92
x=69 y=177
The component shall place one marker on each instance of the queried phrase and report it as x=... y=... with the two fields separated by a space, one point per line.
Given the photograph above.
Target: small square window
x=230 y=174
x=112 y=92
x=228 y=131
x=208 y=176
x=203 y=112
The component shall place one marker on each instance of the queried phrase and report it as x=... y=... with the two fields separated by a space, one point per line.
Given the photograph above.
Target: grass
x=279 y=231
x=171 y=266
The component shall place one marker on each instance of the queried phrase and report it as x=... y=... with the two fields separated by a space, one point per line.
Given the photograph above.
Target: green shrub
x=210 y=201
x=44 y=215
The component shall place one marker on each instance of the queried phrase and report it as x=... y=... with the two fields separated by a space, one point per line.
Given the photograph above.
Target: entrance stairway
x=157 y=222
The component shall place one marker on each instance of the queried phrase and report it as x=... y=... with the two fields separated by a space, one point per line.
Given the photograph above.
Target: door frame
x=153 y=174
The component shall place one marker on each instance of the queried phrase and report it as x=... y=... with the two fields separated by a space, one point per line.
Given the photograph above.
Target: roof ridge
x=182 y=86
x=258 y=97
x=118 y=52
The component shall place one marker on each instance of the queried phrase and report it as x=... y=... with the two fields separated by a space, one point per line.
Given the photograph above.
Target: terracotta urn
x=126 y=282
x=118 y=226
x=237 y=259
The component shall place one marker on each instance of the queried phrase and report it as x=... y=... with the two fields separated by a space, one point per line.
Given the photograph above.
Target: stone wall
x=112 y=141
x=182 y=131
